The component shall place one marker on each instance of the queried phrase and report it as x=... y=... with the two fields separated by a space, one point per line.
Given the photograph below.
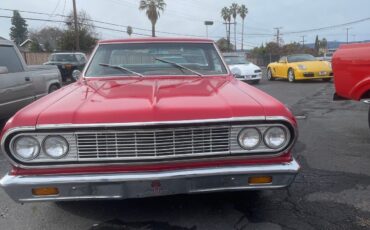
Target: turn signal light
x=260 y=180
x=49 y=191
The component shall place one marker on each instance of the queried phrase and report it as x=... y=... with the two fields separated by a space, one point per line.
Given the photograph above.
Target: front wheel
x=270 y=77
x=291 y=76
x=53 y=88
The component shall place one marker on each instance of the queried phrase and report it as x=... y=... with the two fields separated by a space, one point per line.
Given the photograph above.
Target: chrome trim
x=145 y=124
x=366 y=101
x=98 y=186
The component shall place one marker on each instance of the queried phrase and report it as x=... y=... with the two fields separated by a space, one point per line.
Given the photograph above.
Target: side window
x=10 y=59
x=80 y=58
x=283 y=60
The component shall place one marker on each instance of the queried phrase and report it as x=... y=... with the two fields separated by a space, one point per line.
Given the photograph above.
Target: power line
x=328 y=27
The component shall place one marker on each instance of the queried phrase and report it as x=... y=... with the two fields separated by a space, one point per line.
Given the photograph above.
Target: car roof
x=157 y=39
x=4 y=41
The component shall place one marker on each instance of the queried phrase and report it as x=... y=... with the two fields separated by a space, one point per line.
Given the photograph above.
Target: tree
x=153 y=9
x=243 y=11
x=87 y=34
x=48 y=36
x=317 y=44
x=226 y=15
x=35 y=46
x=234 y=12
x=18 y=31
x=224 y=45
x=129 y=30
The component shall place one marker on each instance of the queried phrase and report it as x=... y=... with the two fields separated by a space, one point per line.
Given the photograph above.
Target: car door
x=282 y=66
x=16 y=88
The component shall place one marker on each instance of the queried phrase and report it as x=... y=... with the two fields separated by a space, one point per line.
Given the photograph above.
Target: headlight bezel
x=243 y=132
x=49 y=155
x=282 y=144
x=17 y=155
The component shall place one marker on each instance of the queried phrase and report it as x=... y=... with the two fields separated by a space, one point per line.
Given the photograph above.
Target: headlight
x=275 y=137
x=26 y=147
x=302 y=67
x=249 y=138
x=55 y=146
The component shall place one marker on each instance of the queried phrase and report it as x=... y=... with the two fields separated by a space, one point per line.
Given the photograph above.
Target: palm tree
x=153 y=9
x=243 y=11
x=226 y=15
x=234 y=11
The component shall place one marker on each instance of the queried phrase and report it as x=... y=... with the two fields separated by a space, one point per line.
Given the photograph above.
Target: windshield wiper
x=179 y=66
x=121 y=68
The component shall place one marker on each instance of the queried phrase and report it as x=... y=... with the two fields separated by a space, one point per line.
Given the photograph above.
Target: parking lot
x=331 y=192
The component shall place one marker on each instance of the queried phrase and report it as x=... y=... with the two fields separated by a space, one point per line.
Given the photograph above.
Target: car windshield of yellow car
x=301 y=58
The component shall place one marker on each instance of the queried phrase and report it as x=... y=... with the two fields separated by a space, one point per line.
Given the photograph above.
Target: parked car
x=299 y=67
x=138 y=125
x=21 y=84
x=242 y=69
x=351 y=65
x=67 y=63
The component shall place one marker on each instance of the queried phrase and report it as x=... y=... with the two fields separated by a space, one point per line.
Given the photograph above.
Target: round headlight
x=275 y=137
x=249 y=138
x=55 y=147
x=26 y=147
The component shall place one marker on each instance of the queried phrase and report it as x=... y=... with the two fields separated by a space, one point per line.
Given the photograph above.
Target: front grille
x=153 y=143
x=309 y=74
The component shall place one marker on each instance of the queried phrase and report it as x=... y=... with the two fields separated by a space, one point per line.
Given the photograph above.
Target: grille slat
x=156 y=143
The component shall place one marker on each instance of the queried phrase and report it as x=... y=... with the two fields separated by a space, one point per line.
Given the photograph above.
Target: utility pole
x=303 y=39
x=77 y=33
x=347 y=33
x=228 y=30
x=278 y=34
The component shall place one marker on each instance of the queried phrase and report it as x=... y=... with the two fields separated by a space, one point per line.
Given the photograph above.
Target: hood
x=244 y=69
x=125 y=100
x=315 y=65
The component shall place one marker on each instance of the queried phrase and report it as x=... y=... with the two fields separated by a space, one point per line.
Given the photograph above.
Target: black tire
x=270 y=77
x=53 y=88
x=291 y=76
x=326 y=79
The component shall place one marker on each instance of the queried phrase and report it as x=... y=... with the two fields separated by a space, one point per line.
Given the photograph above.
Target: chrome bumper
x=148 y=184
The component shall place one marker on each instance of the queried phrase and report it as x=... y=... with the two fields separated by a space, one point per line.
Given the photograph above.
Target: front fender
x=360 y=89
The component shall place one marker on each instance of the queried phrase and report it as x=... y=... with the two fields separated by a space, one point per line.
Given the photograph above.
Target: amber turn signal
x=49 y=191
x=260 y=179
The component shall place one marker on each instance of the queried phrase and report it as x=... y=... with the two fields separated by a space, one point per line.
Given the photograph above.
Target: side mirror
x=76 y=74
x=3 y=70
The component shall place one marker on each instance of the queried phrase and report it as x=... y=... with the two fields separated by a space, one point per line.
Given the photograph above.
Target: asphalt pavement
x=331 y=192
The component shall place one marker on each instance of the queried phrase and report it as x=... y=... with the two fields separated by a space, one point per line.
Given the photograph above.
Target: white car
x=244 y=70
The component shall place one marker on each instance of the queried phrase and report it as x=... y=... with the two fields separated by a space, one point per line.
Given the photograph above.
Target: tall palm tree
x=234 y=11
x=243 y=11
x=153 y=9
x=226 y=15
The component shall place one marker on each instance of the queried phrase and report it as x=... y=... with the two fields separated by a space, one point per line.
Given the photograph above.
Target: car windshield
x=63 y=57
x=156 y=59
x=235 y=60
x=301 y=58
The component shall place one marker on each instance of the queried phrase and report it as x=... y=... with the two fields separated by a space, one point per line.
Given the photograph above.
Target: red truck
x=351 y=66
x=149 y=117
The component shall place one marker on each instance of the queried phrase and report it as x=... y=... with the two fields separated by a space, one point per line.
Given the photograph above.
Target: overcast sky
x=188 y=16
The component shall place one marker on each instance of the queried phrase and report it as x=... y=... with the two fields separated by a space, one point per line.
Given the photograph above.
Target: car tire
x=291 y=76
x=53 y=88
x=326 y=79
x=270 y=77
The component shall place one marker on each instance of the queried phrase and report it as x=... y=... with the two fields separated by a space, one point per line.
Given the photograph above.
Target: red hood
x=123 y=100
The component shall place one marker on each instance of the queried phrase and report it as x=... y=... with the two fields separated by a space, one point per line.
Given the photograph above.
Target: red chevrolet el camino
x=149 y=117
x=351 y=65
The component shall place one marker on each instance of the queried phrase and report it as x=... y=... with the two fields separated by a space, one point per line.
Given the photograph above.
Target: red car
x=149 y=117
x=351 y=66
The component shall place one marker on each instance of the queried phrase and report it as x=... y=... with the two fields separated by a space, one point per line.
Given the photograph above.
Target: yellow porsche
x=299 y=67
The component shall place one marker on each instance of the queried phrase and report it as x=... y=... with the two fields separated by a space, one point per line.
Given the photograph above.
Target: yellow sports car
x=300 y=67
